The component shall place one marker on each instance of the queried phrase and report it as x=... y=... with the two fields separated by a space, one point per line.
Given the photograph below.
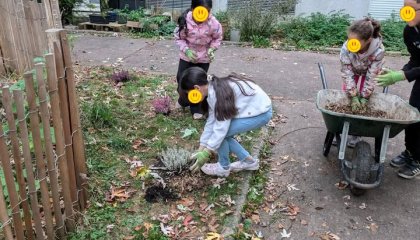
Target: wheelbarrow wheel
x=327 y=143
x=362 y=163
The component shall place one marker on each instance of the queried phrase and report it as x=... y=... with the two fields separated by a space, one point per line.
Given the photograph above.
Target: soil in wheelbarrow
x=367 y=112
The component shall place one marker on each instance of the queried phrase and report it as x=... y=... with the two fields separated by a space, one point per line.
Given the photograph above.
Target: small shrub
x=101 y=115
x=122 y=76
x=392 y=33
x=175 y=159
x=162 y=105
x=260 y=42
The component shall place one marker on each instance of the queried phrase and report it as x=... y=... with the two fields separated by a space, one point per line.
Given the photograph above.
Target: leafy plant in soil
x=175 y=159
x=162 y=105
x=122 y=76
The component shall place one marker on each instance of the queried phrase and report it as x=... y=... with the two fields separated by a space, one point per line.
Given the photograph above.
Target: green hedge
x=319 y=31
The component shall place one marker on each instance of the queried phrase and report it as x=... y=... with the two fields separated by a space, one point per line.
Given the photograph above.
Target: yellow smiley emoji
x=408 y=13
x=200 y=14
x=195 y=96
x=353 y=45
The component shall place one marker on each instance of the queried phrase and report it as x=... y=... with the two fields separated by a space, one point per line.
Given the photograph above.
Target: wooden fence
x=22 y=27
x=42 y=151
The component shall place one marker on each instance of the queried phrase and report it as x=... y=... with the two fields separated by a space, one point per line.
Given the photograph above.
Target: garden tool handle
x=323 y=78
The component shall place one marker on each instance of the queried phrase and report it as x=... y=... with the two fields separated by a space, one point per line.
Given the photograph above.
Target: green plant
x=260 y=42
x=101 y=115
x=252 y=21
x=66 y=9
x=135 y=15
x=392 y=32
x=175 y=159
x=317 y=30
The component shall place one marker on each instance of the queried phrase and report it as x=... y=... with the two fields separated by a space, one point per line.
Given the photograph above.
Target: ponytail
x=182 y=22
x=366 y=28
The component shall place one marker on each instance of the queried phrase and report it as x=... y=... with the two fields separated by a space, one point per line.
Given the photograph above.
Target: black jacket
x=412 y=68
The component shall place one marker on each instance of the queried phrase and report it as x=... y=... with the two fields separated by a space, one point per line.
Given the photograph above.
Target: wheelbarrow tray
x=401 y=114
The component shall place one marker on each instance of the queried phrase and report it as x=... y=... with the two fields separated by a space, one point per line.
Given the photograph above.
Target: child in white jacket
x=236 y=105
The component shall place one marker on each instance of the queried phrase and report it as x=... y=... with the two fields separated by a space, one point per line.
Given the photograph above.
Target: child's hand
x=192 y=55
x=363 y=103
x=201 y=158
x=211 y=54
x=355 y=104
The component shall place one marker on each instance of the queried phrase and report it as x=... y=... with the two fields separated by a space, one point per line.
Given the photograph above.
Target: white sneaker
x=215 y=169
x=243 y=165
x=198 y=116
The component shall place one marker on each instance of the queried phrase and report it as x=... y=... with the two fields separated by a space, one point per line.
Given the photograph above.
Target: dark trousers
x=201 y=107
x=412 y=132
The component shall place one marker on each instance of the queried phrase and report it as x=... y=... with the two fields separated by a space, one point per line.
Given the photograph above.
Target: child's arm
x=374 y=69
x=217 y=35
x=347 y=72
x=180 y=39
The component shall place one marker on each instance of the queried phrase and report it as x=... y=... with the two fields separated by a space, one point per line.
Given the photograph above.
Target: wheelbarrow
x=363 y=171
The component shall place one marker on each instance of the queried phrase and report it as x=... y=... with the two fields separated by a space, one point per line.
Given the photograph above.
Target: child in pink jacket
x=197 y=42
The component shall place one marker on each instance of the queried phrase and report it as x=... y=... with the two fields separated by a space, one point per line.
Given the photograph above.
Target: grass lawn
x=124 y=139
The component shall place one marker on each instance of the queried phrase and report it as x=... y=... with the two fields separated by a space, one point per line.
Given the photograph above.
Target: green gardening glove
x=363 y=103
x=211 y=54
x=390 y=78
x=201 y=158
x=355 y=104
x=192 y=55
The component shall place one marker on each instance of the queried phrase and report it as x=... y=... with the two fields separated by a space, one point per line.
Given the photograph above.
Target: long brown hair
x=366 y=28
x=225 y=105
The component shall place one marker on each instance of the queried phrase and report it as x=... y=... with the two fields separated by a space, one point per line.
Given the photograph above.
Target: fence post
x=7 y=104
x=7 y=230
x=49 y=151
x=60 y=149
x=77 y=138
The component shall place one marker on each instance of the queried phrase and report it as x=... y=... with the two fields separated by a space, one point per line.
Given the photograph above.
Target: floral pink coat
x=367 y=64
x=199 y=37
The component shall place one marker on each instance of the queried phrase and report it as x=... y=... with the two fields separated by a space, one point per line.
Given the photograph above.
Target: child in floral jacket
x=197 y=42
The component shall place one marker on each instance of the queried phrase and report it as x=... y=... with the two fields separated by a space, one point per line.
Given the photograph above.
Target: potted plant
x=235 y=26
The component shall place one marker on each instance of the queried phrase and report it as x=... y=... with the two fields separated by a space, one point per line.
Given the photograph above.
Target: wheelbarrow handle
x=323 y=78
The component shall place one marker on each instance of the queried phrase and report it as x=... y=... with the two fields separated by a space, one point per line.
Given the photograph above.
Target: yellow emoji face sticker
x=408 y=13
x=195 y=96
x=353 y=45
x=200 y=14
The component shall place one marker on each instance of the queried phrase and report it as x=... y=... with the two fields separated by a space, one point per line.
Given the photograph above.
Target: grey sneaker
x=351 y=141
x=243 y=165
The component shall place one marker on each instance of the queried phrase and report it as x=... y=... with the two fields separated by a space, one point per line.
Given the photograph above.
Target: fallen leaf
x=291 y=187
x=373 y=227
x=342 y=185
x=329 y=236
x=319 y=208
x=120 y=194
x=129 y=237
x=168 y=231
x=255 y=218
x=281 y=226
x=109 y=228
x=303 y=222
x=285 y=234
x=213 y=236
x=187 y=220
x=363 y=206
x=188 y=202
x=209 y=207
x=137 y=143
x=292 y=210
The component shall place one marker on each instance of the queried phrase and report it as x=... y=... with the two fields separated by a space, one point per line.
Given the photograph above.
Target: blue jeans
x=237 y=126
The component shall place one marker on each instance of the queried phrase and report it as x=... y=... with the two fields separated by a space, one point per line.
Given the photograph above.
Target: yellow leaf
x=255 y=238
x=213 y=236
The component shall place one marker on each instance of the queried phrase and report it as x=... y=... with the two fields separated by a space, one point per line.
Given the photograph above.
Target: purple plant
x=162 y=105
x=122 y=76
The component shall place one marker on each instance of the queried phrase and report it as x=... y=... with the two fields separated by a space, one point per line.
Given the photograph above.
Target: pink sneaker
x=240 y=166
x=215 y=169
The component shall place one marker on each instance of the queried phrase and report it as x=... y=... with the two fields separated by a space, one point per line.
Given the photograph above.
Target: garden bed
x=124 y=141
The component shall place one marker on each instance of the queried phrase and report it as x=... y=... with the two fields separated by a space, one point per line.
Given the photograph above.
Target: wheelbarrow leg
x=343 y=142
x=384 y=144
x=328 y=142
